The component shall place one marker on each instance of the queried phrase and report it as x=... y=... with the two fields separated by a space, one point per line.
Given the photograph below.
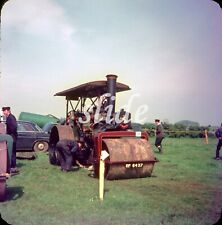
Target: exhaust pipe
x=111 y=89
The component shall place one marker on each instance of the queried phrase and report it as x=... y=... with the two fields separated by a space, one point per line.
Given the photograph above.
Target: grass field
x=185 y=189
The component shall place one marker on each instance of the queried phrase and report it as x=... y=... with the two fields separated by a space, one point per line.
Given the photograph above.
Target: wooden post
x=104 y=155
x=101 y=179
x=206 y=136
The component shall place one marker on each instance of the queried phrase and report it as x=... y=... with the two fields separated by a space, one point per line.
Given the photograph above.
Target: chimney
x=111 y=88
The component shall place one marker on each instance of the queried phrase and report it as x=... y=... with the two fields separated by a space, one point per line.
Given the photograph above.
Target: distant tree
x=187 y=123
x=149 y=127
x=183 y=128
x=167 y=126
x=194 y=128
x=179 y=126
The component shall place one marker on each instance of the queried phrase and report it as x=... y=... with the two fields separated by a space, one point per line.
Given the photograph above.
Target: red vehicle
x=91 y=115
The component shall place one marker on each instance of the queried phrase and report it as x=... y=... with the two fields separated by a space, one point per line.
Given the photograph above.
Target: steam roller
x=129 y=151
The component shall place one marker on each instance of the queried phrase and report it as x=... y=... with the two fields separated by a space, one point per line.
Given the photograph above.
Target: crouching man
x=72 y=153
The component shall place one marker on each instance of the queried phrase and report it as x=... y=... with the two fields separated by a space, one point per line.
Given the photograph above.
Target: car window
x=27 y=127
x=48 y=126
x=37 y=127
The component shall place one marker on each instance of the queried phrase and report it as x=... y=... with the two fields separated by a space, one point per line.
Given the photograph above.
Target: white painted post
x=104 y=155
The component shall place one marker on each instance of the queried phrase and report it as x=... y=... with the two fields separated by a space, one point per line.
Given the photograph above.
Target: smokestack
x=111 y=88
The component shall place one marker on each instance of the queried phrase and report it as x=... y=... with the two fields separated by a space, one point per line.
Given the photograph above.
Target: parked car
x=31 y=137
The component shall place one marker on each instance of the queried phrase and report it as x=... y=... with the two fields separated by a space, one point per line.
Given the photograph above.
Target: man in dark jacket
x=218 y=134
x=11 y=129
x=65 y=149
x=159 y=135
x=72 y=153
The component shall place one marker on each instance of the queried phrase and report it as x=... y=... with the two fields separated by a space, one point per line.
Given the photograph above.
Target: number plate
x=133 y=165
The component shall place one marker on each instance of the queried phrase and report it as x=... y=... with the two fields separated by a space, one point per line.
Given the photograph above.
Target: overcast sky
x=168 y=51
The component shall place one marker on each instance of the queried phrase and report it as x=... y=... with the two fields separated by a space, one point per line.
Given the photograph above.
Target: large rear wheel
x=58 y=132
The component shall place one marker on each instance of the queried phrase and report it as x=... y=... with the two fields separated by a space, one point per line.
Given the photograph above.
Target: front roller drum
x=128 y=158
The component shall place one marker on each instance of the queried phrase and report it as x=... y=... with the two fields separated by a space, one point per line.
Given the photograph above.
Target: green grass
x=184 y=190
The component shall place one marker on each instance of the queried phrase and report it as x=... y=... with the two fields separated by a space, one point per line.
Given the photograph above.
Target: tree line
x=177 y=130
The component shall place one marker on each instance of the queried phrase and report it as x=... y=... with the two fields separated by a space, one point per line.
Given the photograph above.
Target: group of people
x=159 y=133
x=78 y=152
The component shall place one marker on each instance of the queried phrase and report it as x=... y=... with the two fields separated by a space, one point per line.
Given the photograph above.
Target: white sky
x=168 y=51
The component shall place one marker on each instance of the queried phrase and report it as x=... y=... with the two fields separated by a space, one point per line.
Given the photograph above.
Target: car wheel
x=41 y=146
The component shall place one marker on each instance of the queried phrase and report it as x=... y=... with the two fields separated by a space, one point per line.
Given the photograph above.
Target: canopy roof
x=90 y=90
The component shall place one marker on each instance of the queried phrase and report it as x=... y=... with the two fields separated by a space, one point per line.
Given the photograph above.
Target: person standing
x=218 y=134
x=11 y=129
x=159 y=133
